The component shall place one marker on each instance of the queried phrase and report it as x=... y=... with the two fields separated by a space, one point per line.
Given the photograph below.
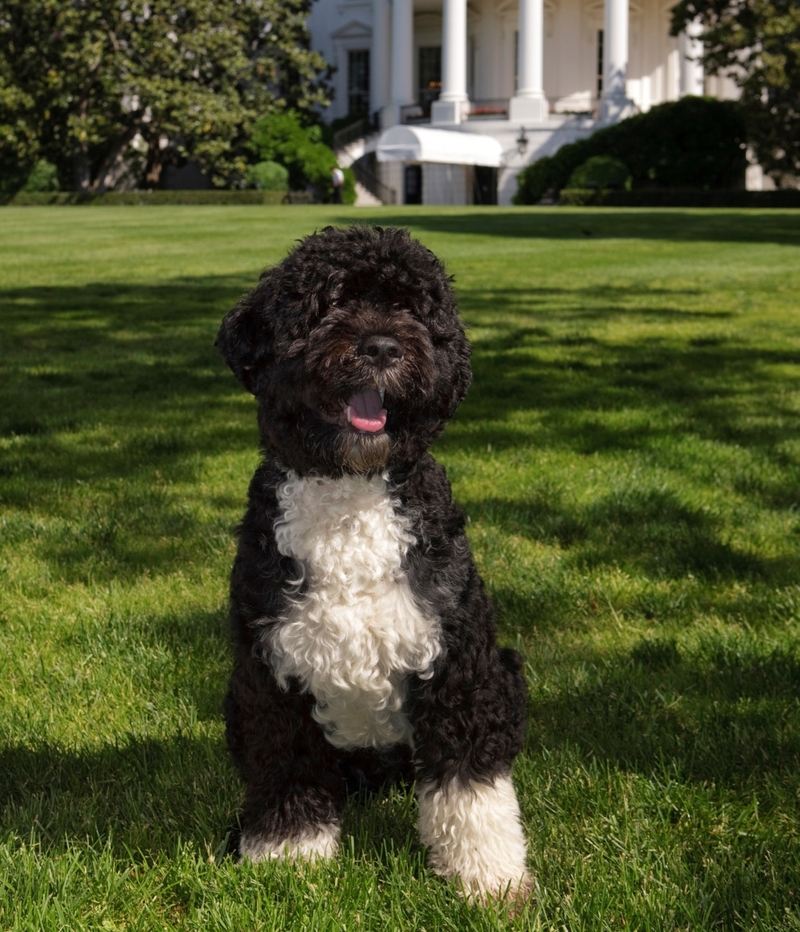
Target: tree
x=19 y=144
x=282 y=137
x=757 y=43
x=92 y=80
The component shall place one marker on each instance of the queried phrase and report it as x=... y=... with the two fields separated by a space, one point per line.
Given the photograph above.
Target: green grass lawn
x=629 y=459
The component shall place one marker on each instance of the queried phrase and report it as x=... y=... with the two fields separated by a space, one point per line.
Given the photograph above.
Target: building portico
x=553 y=70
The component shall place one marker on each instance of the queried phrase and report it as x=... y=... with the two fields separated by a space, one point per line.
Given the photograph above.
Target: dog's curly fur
x=364 y=637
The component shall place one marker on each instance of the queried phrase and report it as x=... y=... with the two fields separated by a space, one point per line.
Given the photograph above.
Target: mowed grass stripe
x=629 y=461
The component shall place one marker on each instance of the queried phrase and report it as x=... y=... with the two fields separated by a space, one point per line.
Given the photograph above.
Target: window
x=358 y=82
x=599 y=62
x=471 y=67
x=430 y=76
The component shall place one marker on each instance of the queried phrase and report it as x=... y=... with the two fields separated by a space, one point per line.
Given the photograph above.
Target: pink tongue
x=364 y=411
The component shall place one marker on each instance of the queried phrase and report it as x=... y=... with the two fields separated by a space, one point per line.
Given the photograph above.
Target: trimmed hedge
x=154 y=198
x=694 y=142
x=677 y=197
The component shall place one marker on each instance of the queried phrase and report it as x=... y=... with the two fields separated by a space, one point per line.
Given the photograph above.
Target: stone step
x=364 y=198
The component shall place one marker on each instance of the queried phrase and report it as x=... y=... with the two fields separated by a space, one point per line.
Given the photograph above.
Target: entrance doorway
x=412 y=184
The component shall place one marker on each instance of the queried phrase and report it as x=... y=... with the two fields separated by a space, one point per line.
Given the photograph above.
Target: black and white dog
x=363 y=634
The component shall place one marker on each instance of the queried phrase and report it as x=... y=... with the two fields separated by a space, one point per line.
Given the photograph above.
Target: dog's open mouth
x=363 y=412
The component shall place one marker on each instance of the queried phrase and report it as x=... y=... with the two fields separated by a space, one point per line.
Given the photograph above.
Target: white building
x=531 y=75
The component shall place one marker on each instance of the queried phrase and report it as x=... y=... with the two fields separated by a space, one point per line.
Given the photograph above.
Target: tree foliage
x=281 y=137
x=757 y=44
x=694 y=142
x=84 y=82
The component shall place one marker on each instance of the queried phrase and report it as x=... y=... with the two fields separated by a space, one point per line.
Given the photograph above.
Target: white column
x=451 y=107
x=529 y=103
x=379 y=56
x=691 y=52
x=615 y=103
x=402 y=71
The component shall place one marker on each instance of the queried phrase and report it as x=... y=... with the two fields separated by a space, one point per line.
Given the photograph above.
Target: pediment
x=355 y=29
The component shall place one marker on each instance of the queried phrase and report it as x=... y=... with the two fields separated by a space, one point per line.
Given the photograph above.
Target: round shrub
x=602 y=172
x=43 y=178
x=269 y=176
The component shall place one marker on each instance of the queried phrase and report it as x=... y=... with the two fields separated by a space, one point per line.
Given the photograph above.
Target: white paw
x=321 y=842
x=474 y=835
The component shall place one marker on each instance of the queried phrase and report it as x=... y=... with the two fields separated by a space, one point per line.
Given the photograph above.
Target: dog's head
x=354 y=349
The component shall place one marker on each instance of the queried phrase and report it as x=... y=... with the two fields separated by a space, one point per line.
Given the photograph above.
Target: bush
x=268 y=176
x=282 y=138
x=349 y=187
x=695 y=142
x=44 y=177
x=679 y=197
x=601 y=172
x=135 y=198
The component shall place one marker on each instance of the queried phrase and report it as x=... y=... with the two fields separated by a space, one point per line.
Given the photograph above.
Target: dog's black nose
x=382 y=350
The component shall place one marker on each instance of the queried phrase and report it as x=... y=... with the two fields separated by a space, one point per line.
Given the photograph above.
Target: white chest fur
x=356 y=633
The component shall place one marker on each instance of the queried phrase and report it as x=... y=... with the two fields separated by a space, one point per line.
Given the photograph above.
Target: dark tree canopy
x=756 y=43
x=88 y=84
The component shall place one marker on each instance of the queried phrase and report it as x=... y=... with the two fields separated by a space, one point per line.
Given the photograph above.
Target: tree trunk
x=113 y=160
x=82 y=171
x=155 y=164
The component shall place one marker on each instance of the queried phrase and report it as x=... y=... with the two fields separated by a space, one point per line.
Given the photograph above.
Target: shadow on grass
x=720 y=389
x=681 y=225
x=124 y=355
x=725 y=716
x=149 y=796
x=121 y=383
x=141 y=795
x=598 y=303
x=716 y=719
x=642 y=529
x=75 y=353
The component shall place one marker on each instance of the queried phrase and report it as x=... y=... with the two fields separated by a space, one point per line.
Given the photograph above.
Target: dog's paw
x=316 y=842
x=474 y=837
x=514 y=893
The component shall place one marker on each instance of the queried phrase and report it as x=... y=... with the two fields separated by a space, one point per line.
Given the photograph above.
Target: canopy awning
x=423 y=144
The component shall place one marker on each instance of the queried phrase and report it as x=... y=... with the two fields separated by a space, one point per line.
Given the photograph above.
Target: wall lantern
x=522 y=142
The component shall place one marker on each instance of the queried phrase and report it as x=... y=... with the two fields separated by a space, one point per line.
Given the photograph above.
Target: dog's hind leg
x=294 y=786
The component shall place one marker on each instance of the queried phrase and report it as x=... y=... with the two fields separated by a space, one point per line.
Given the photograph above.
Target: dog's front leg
x=467 y=730
x=474 y=835
x=294 y=787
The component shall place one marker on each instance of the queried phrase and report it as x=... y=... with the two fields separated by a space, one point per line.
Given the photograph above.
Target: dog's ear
x=459 y=374
x=245 y=340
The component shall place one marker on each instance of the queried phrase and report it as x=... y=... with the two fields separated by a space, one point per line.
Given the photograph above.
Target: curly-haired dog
x=362 y=630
